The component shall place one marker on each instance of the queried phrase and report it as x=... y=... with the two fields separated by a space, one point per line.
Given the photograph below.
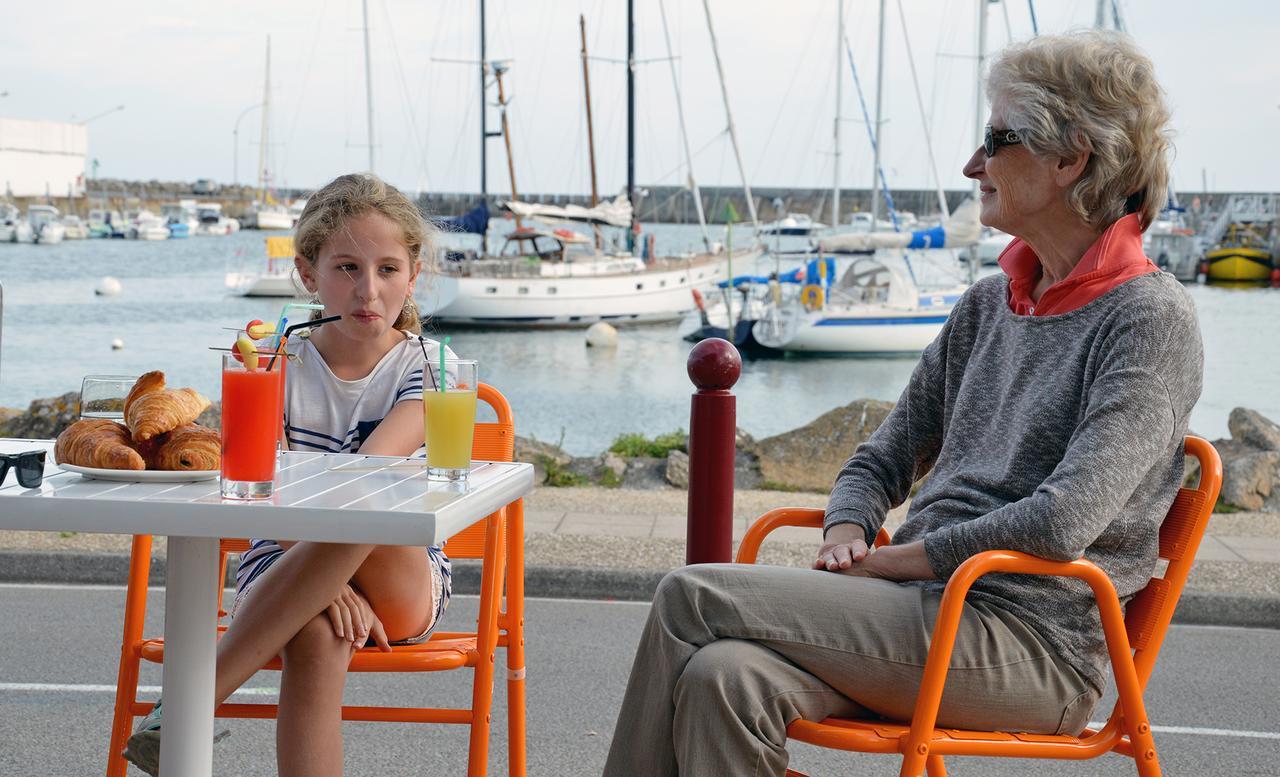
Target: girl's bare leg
x=309 y=721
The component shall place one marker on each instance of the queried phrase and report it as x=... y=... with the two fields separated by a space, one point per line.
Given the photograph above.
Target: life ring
x=811 y=296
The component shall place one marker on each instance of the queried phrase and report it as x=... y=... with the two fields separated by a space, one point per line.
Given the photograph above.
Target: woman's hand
x=353 y=619
x=844 y=546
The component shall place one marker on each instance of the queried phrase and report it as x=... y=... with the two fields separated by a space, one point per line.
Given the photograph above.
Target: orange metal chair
x=1134 y=635
x=497 y=539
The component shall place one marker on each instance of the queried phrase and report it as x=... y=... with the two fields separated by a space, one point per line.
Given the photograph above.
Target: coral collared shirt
x=1114 y=258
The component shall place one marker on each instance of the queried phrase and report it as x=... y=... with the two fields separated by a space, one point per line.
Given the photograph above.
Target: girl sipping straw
x=356 y=388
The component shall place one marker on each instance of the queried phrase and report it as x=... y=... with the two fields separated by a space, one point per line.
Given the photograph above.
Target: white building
x=42 y=157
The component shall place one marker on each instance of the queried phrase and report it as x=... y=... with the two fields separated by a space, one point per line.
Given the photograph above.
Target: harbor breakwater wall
x=658 y=204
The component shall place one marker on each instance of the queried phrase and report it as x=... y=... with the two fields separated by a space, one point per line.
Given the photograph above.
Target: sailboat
x=557 y=277
x=266 y=212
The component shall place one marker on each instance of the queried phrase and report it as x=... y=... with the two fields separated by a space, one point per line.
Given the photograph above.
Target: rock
x=1248 y=480
x=1254 y=429
x=646 y=473
x=212 y=416
x=677 y=472
x=602 y=335
x=44 y=419
x=613 y=463
x=808 y=458
x=541 y=455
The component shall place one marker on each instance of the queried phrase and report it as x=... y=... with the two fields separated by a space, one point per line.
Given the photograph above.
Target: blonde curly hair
x=330 y=208
x=1091 y=91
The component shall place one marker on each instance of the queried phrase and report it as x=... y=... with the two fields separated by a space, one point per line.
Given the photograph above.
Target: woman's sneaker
x=143 y=748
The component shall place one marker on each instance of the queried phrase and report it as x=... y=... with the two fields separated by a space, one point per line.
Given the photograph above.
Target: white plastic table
x=325 y=497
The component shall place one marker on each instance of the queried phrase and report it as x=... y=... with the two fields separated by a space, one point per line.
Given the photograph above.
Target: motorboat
x=149 y=226
x=210 y=220
x=13 y=227
x=46 y=224
x=75 y=227
x=793 y=224
x=181 y=218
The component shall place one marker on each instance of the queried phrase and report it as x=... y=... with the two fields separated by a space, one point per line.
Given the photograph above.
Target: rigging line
x=1035 y=26
x=790 y=90
x=719 y=135
x=1008 y=28
x=884 y=183
x=684 y=132
x=408 y=102
x=928 y=138
x=306 y=73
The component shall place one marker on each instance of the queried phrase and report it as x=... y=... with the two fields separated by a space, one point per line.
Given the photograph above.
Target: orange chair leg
x=491 y=580
x=127 y=677
x=515 y=641
x=934 y=767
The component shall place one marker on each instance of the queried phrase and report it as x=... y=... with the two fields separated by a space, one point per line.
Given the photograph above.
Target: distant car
x=205 y=186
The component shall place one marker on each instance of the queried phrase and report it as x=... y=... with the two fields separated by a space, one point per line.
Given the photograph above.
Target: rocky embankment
x=804 y=459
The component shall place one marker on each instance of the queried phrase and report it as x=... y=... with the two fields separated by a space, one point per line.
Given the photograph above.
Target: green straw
x=443 y=378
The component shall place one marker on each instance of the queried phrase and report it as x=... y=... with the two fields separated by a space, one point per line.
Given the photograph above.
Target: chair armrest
x=805 y=517
x=952 y=607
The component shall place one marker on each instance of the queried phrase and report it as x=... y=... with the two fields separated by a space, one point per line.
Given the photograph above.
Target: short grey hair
x=1091 y=91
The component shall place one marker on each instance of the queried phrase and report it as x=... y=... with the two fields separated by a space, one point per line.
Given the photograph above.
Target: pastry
x=151 y=409
x=189 y=447
x=99 y=443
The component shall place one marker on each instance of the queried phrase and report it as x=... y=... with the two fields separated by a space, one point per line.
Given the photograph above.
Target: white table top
x=325 y=497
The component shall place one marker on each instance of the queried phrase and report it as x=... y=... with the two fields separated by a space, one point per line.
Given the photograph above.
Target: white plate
x=143 y=475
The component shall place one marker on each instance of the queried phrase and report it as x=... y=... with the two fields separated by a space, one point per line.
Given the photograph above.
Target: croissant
x=189 y=447
x=151 y=409
x=97 y=442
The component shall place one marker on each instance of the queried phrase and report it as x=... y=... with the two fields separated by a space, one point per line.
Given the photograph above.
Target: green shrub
x=559 y=476
x=1226 y=508
x=636 y=444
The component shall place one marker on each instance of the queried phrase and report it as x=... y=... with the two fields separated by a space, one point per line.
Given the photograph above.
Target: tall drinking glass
x=251 y=411
x=449 y=405
x=102 y=396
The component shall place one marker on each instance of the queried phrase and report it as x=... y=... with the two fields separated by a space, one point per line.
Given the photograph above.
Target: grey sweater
x=1058 y=436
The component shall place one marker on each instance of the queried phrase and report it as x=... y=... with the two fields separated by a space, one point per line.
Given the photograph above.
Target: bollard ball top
x=714 y=365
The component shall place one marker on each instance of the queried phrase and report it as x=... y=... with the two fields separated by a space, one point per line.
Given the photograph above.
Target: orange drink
x=251 y=413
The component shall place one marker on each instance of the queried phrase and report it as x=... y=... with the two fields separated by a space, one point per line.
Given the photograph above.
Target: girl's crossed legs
x=287 y=614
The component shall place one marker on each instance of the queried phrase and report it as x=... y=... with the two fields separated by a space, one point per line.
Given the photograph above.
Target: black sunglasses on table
x=992 y=140
x=29 y=467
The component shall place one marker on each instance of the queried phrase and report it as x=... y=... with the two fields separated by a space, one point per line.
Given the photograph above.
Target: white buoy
x=602 y=335
x=107 y=287
x=117 y=344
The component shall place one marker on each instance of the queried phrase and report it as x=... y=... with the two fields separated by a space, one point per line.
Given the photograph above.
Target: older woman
x=1049 y=414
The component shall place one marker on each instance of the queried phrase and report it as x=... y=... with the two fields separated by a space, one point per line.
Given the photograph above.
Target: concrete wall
x=40 y=158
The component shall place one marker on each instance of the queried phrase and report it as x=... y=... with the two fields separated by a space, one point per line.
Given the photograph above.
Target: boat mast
x=733 y=134
x=631 y=126
x=498 y=69
x=368 y=82
x=924 y=118
x=979 y=111
x=484 y=118
x=835 y=176
x=591 y=138
x=875 y=165
x=684 y=132
x=262 y=136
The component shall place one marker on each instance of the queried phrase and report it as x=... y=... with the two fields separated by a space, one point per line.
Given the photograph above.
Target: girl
x=356 y=388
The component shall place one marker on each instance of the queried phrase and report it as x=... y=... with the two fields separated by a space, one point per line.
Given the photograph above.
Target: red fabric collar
x=1115 y=257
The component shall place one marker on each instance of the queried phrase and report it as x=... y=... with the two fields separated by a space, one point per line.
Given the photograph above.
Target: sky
x=190 y=76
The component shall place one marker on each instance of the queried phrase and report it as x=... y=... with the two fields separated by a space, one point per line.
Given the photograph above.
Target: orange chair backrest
x=493 y=441
x=1148 y=614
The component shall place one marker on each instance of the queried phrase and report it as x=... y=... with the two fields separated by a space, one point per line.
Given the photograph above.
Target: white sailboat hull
x=263 y=284
x=864 y=330
x=628 y=298
x=273 y=219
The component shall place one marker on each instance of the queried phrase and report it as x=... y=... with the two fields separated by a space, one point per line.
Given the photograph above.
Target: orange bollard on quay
x=714 y=366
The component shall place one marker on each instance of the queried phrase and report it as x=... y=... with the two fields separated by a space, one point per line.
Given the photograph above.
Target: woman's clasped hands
x=353 y=619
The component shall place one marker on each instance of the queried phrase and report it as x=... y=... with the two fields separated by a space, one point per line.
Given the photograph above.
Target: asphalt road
x=1220 y=688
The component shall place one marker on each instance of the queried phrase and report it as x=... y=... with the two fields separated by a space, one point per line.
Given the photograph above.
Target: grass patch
x=610 y=479
x=773 y=485
x=635 y=444
x=1226 y=508
x=559 y=476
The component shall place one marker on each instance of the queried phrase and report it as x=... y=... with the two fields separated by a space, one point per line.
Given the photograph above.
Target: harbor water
x=173 y=306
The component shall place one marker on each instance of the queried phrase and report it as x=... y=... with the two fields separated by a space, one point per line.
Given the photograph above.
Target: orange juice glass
x=251 y=413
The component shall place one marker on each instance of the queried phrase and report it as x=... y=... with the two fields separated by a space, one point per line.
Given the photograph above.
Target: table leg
x=190 y=636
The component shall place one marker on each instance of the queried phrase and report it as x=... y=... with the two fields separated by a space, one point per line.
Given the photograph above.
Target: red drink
x=251 y=413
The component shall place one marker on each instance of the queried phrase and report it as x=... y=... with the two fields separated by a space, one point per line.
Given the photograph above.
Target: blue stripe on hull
x=881 y=321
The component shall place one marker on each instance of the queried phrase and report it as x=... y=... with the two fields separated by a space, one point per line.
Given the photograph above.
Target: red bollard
x=714 y=366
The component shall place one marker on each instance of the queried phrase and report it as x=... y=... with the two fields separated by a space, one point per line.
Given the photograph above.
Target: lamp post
x=235 y=141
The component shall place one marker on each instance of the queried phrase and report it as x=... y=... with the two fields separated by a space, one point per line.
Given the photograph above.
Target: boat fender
x=811 y=296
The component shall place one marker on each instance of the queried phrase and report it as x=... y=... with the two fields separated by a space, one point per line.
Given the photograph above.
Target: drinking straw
x=444 y=380
x=284 y=337
x=426 y=363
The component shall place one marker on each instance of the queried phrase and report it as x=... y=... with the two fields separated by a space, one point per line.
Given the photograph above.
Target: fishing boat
x=1241 y=240
x=46 y=224
x=278 y=278
x=880 y=304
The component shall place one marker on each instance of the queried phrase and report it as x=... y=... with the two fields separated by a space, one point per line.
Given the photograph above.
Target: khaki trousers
x=733 y=653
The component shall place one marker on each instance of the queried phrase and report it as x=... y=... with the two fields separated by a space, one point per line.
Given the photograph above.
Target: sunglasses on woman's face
x=992 y=140
x=29 y=467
